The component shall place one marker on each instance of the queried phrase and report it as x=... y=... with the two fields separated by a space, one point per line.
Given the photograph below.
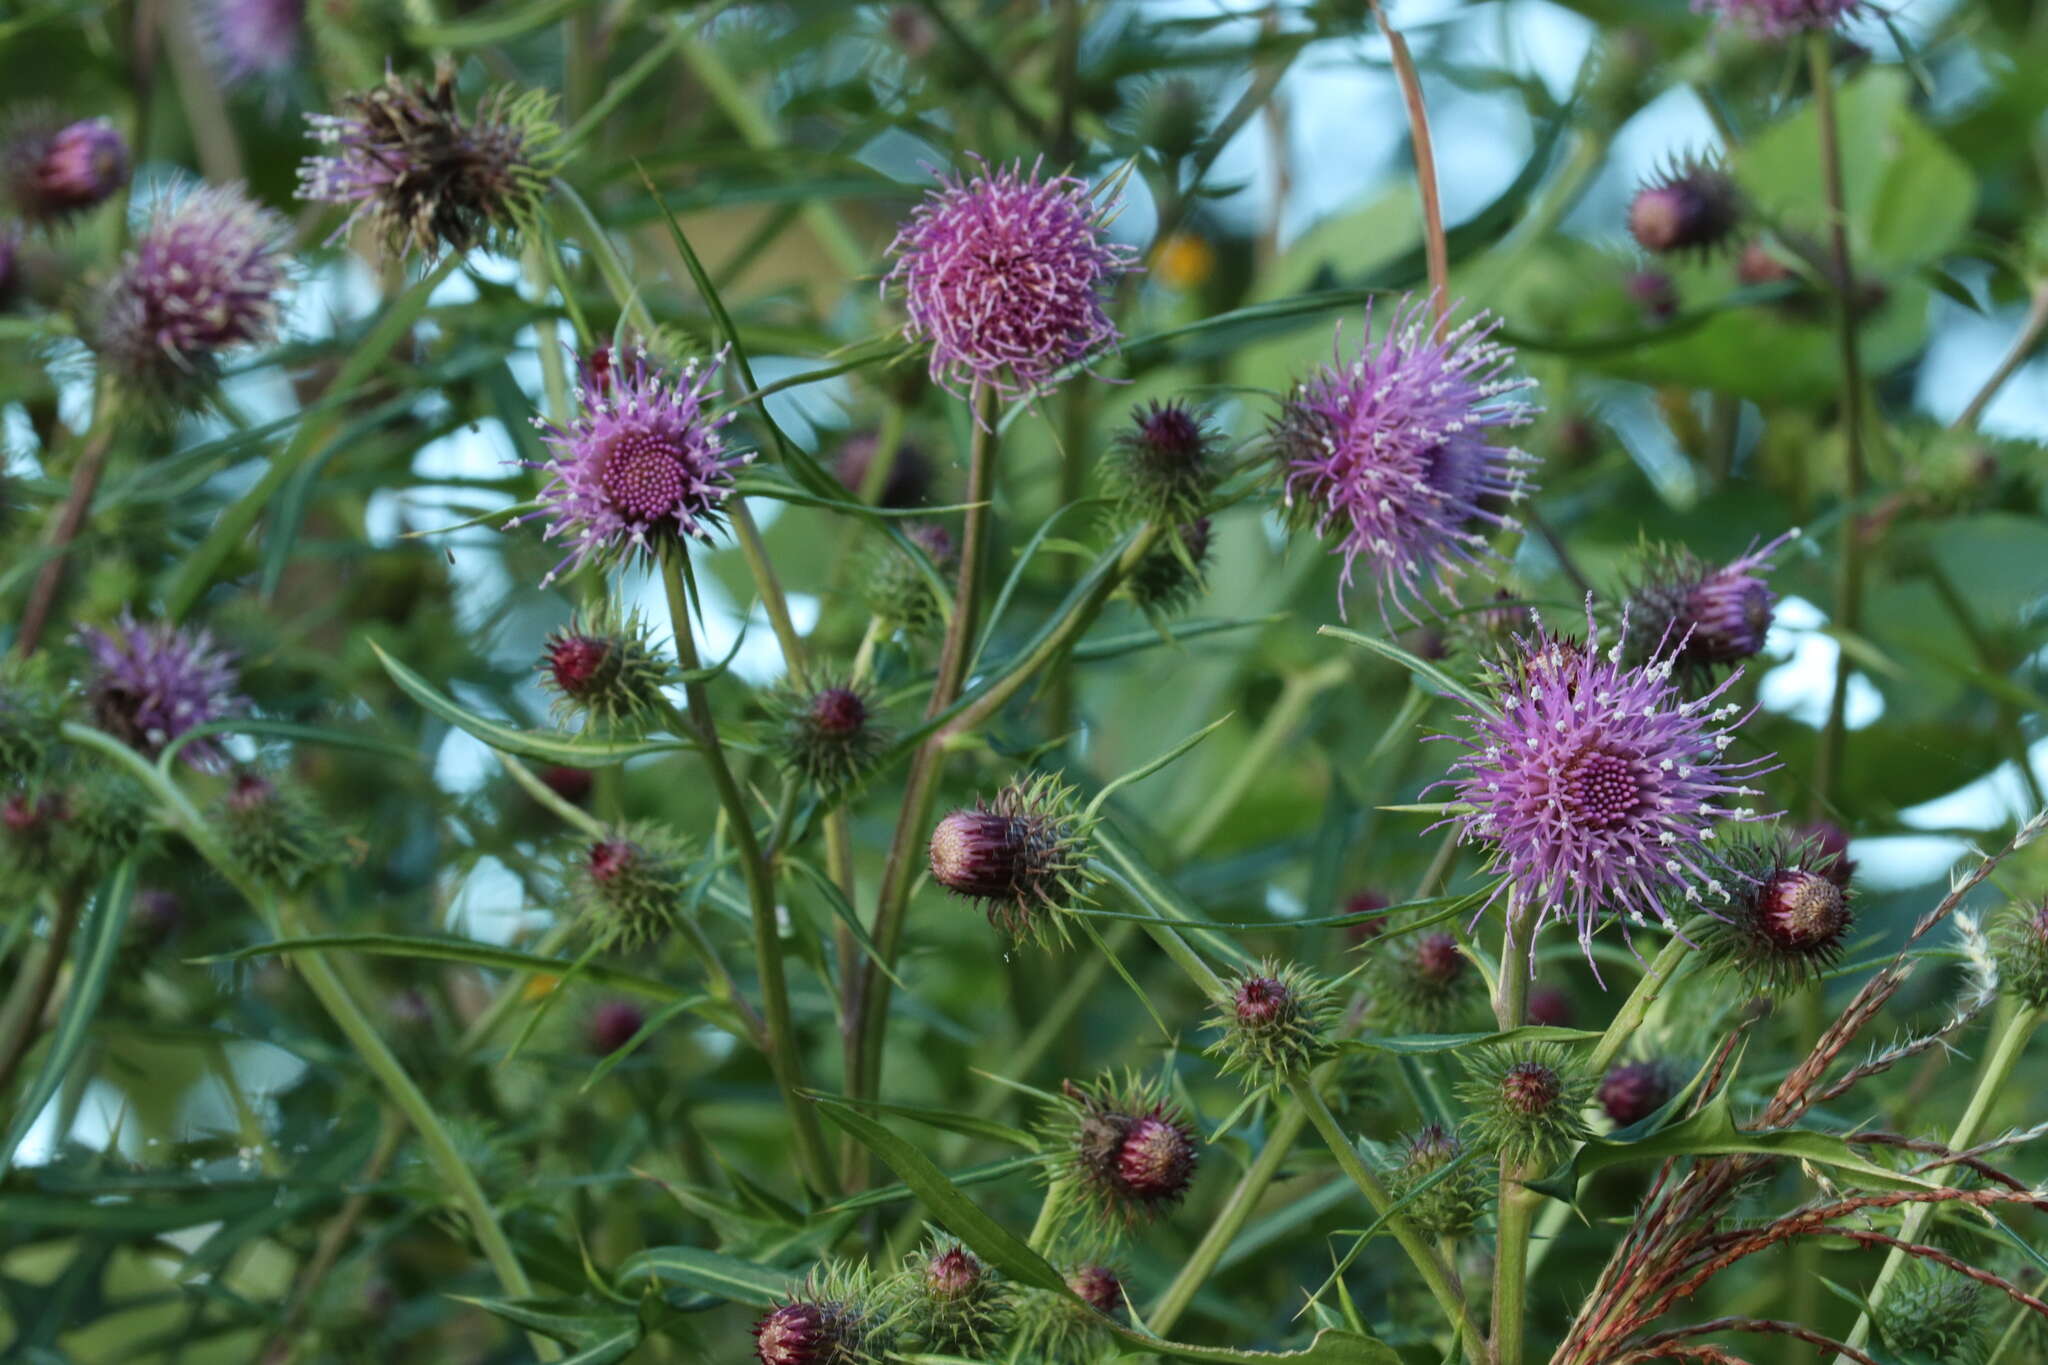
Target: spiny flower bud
x=1933 y=1314
x=630 y=886
x=907 y=482
x=406 y=161
x=605 y=673
x=1126 y=1155
x=1023 y=855
x=832 y=1320
x=612 y=1025
x=1419 y=982
x=898 y=589
x=1274 y=1023
x=1172 y=574
x=1787 y=920
x=1525 y=1101
x=1162 y=466
x=31 y=708
x=277 y=832
x=1632 y=1091
x=1439 y=1205
x=57 y=173
x=1550 y=1007
x=1171 y=116
x=1692 y=206
x=798 y=1334
x=2019 y=940
x=36 y=847
x=955 y=1305
x=825 y=732
x=1097 y=1286
x=1701 y=617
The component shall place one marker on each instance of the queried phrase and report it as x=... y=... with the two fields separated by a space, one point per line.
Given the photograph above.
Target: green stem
x=1634 y=1009
x=1436 y=251
x=1230 y=1219
x=1992 y=1079
x=1295 y=695
x=1050 y=1210
x=21 y=1018
x=1515 y=1206
x=783 y=1058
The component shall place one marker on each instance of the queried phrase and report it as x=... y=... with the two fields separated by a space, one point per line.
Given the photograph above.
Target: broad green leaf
x=707 y=1272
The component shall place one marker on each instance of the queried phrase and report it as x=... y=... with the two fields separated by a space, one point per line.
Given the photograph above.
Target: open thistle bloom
x=1787 y=919
x=1004 y=274
x=253 y=39
x=202 y=278
x=1125 y=1153
x=1705 y=617
x=1023 y=855
x=604 y=670
x=1690 y=206
x=629 y=884
x=826 y=732
x=1780 y=18
x=57 y=173
x=1275 y=1023
x=1597 y=785
x=405 y=160
x=1524 y=1102
x=642 y=467
x=152 y=683
x=1387 y=452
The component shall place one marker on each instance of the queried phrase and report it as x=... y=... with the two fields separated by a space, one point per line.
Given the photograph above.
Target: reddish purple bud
x=1531 y=1089
x=1550 y=1007
x=612 y=859
x=1098 y=1287
x=571 y=784
x=979 y=853
x=1156 y=1161
x=1802 y=913
x=65 y=172
x=1437 y=959
x=612 y=1025
x=1757 y=265
x=1263 y=1001
x=838 y=712
x=797 y=1334
x=576 y=662
x=1693 y=208
x=1633 y=1091
x=250 y=792
x=953 y=1273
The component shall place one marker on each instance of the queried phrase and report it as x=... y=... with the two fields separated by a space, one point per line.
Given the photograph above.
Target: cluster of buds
x=276 y=830
x=825 y=732
x=605 y=673
x=1274 y=1023
x=1162 y=467
x=1022 y=854
x=1173 y=573
x=1124 y=1153
x=1788 y=915
x=1524 y=1102
x=2019 y=940
x=951 y=1303
x=897 y=587
x=1441 y=1185
x=1692 y=206
x=837 y=1317
x=630 y=884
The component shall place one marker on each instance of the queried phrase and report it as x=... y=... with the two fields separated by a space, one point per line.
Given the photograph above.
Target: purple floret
x=152 y=683
x=1780 y=18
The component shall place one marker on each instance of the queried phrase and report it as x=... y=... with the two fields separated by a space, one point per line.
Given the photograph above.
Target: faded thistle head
x=1275 y=1023
x=405 y=159
x=1703 y=617
x=1524 y=1102
x=826 y=731
x=2019 y=940
x=1162 y=464
x=836 y=1317
x=1023 y=854
x=629 y=885
x=605 y=673
x=1787 y=918
x=952 y=1303
x=1123 y=1152
x=1444 y=1185
x=1692 y=206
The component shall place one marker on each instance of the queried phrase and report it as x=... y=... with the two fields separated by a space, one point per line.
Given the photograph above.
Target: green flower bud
x=277 y=832
x=896 y=588
x=1275 y=1024
x=825 y=733
x=1439 y=1205
x=630 y=885
x=952 y=1303
x=1171 y=576
x=605 y=673
x=2019 y=940
x=1933 y=1314
x=1524 y=1102
x=1124 y=1154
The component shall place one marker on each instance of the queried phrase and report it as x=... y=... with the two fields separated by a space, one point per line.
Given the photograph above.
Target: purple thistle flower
x=644 y=465
x=253 y=39
x=203 y=277
x=152 y=683
x=1387 y=451
x=1710 y=616
x=1780 y=18
x=1004 y=274
x=1597 y=784
x=56 y=173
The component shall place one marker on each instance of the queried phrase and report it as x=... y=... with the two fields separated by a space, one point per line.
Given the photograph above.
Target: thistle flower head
x=642 y=467
x=907 y=481
x=1387 y=452
x=2019 y=939
x=1787 y=920
x=1274 y=1023
x=605 y=673
x=1780 y=18
x=1632 y=1091
x=1162 y=464
x=835 y=1318
x=1023 y=854
x=826 y=731
x=629 y=884
x=253 y=40
x=151 y=683
x=1124 y=1150
x=612 y=1025
x=1597 y=785
x=954 y=1304
x=1052 y=1329
x=1419 y=982
x=1172 y=574
x=1101 y=1288
x=56 y=173
x=275 y=829
x=1524 y=1102
x=1004 y=274
x=1691 y=206
x=1439 y=1204
x=202 y=278
x=1933 y=1314
x=895 y=587
x=406 y=160
x=1702 y=616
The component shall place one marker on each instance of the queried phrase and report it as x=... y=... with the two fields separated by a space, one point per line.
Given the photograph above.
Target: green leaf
x=1147 y=769
x=972 y=1175
x=970 y=1124
x=99 y=942
x=539 y=745
x=286 y=729
x=1330 y=1347
x=599 y=1338
x=1421 y=668
x=707 y=1272
x=1417 y=1044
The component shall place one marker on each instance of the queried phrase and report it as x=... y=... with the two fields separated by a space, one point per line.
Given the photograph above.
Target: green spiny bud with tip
x=1124 y=1154
x=276 y=831
x=1172 y=574
x=1439 y=1201
x=31 y=709
x=605 y=673
x=1419 y=983
x=1023 y=855
x=896 y=588
x=1524 y=1102
x=953 y=1304
x=1932 y=1314
x=2019 y=940
x=630 y=884
x=1055 y=1330
x=825 y=732
x=1275 y=1023
x=1162 y=465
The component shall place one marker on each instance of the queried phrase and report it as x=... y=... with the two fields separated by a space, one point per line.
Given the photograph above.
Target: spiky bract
x=1162 y=464
x=1931 y=1313
x=1123 y=1154
x=1419 y=982
x=1787 y=919
x=276 y=830
x=630 y=884
x=1275 y=1023
x=1022 y=854
x=825 y=731
x=1172 y=575
x=1524 y=1102
x=836 y=1317
x=604 y=672
x=1052 y=1329
x=1691 y=206
x=897 y=588
x=951 y=1302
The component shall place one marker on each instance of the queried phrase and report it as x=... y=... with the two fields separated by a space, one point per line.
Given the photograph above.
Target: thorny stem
x=1992 y=1080
x=783 y=1058
x=1435 y=249
x=1849 y=588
